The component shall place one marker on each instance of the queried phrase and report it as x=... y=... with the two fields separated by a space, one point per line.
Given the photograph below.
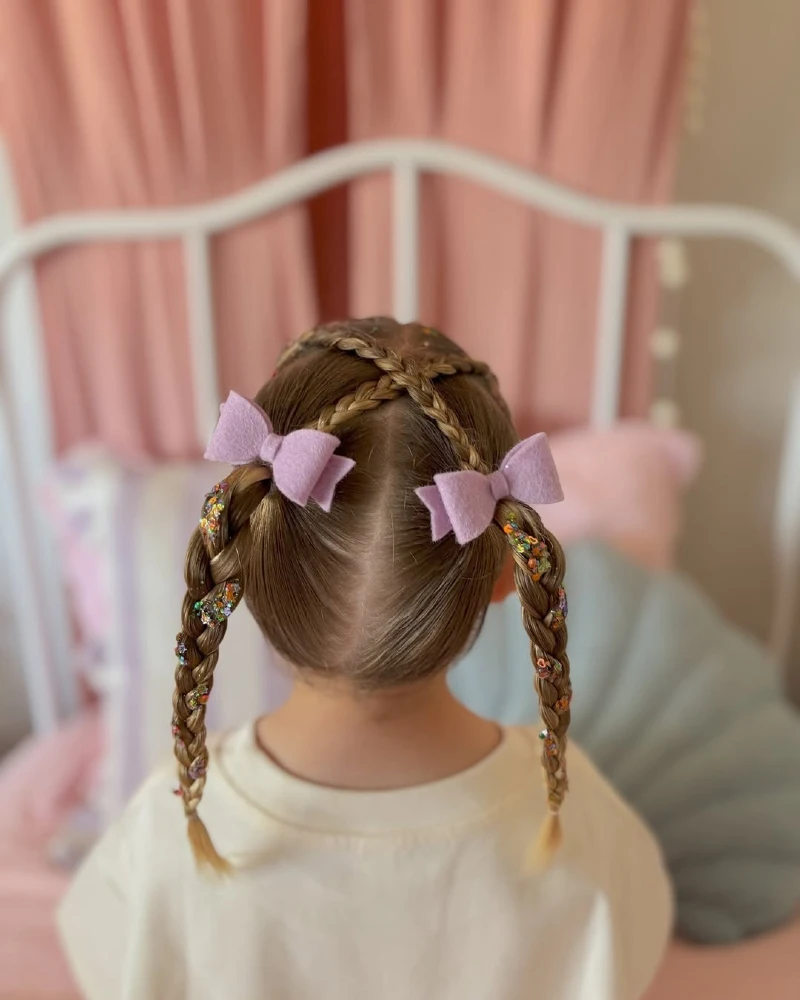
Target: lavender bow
x=303 y=462
x=464 y=502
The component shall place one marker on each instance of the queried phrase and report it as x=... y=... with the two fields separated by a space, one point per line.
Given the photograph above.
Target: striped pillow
x=123 y=535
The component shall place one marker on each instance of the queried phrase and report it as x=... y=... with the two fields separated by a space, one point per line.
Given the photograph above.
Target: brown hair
x=362 y=592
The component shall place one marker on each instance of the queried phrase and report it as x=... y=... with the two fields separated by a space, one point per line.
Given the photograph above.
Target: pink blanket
x=41 y=782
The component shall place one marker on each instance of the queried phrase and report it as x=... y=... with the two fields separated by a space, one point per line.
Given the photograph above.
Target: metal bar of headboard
x=36 y=593
x=200 y=303
x=610 y=333
x=405 y=242
x=406 y=160
x=786 y=537
x=34 y=635
x=336 y=166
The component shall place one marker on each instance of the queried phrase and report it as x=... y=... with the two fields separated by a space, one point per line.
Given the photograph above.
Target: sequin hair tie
x=532 y=549
x=562 y=706
x=557 y=618
x=219 y=605
x=464 y=502
x=304 y=466
x=181 y=649
x=211 y=515
x=549 y=743
x=553 y=749
x=547 y=667
x=198 y=696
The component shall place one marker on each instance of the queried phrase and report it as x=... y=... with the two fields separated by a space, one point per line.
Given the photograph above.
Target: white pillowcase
x=124 y=534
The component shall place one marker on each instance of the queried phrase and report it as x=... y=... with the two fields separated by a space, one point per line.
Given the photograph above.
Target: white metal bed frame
x=39 y=599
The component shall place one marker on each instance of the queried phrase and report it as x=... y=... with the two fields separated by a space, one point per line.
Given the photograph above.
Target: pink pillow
x=45 y=778
x=625 y=486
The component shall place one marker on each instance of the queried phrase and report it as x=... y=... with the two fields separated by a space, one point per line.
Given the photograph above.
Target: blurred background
x=144 y=104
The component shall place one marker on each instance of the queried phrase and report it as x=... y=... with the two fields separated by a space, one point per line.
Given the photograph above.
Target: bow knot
x=464 y=502
x=269 y=449
x=303 y=462
x=499 y=485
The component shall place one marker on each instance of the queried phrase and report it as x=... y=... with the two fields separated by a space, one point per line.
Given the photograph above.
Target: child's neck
x=333 y=735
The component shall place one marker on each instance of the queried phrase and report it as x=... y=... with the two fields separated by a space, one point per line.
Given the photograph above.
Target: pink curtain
x=109 y=103
x=584 y=91
x=128 y=103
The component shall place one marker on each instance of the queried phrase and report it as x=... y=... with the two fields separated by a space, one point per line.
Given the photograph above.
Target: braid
x=344 y=338
x=539 y=576
x=422 y=391
x=412 y=375
x=366 y=397
x=214 y=585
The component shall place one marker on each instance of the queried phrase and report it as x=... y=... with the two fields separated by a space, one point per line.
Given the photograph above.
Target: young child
x=372 y=838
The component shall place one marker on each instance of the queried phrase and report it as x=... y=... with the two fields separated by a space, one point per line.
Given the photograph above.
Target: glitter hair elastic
x=531 y=549
x=197 y=696
x=220 y=604
x=557 y=618
x=550 y=743
x=546 y=666
x=563 y=704
x=213 y=506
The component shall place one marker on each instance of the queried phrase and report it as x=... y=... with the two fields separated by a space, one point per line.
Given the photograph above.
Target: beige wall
x=740 y=314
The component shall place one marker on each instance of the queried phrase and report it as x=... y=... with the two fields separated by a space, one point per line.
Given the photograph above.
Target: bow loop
x=303 y=462
x=464 y=502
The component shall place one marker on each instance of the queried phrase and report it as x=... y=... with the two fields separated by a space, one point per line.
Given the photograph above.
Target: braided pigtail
x=215 y=583
x=539 y=576
x=422 y=391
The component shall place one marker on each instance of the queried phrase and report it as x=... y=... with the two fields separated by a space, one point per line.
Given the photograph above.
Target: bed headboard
x=39 y=600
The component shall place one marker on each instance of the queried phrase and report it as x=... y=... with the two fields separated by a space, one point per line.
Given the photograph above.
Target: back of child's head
x=361 y=593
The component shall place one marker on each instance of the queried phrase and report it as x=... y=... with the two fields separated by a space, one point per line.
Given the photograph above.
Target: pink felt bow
x=464 y=502
x=303 y=462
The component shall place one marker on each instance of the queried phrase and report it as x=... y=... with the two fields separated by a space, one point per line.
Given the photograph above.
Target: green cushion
x=684 y=715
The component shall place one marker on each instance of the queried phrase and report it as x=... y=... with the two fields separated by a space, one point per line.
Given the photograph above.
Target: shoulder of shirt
x=595 y=818
x=589 y=789
x=594 y=812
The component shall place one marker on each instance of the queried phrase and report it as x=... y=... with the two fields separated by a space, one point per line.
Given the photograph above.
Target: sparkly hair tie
x=213 y=506
x=532 y=549
x=546 y=666
x=219 y=605
x=198 y=696
x=563 y=703
x=197 y=768
x=180 y=649
x=550 y=743
x=557 y=618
